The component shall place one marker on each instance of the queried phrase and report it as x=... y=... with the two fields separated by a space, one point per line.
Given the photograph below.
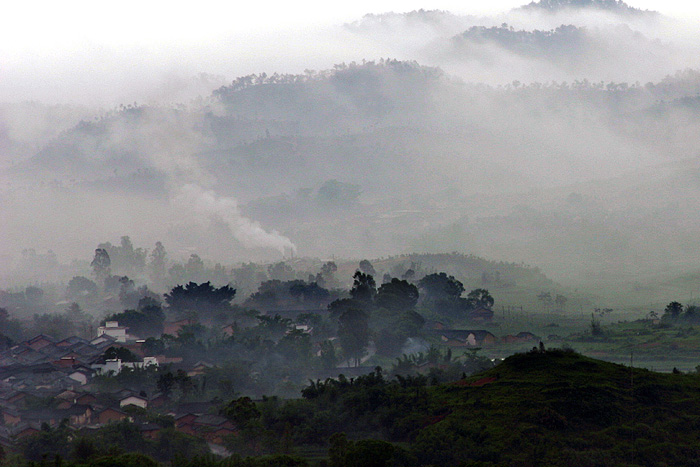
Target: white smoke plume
x=250 y=233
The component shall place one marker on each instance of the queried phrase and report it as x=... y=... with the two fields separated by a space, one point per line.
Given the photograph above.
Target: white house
x=112 y=329
x=79 y=376
x=114 y=365
x=147 y=361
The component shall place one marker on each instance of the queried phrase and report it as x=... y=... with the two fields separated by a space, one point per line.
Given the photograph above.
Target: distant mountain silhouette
x=564 y=40
x=616 y=6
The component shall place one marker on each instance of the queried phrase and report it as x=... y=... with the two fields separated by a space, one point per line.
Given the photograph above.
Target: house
x=213 y=428
x=174 y=327
x=185 y=423
x=466 y=338
x=79 y=415
x=163 y=360
x=86 y=399
x=480 y=313
x=230 y=329
x=25 y=429
x=10 y=416
x=67 y=395
x=138 y=401
x=65 y=362
x=199 y=368
x=79 y=376
x=147 y=361
x=70 y=341
x=305 y=328
x=51 y=417
x=103 y=341
x=112 y=329
x=521 y=337
x=435 y=325
x=158 y=400
x=110 y=414
x=113 y=365
x=39 y=342
x=150 y=430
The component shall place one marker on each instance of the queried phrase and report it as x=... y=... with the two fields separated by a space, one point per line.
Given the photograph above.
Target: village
x=46 y=382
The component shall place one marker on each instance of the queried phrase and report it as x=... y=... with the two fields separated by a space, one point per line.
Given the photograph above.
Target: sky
x=45 y=27
x=92 y=52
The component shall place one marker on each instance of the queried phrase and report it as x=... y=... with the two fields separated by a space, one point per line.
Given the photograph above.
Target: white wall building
x=112 y=329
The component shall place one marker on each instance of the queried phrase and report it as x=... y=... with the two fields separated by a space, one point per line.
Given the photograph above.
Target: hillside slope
x=561 y=408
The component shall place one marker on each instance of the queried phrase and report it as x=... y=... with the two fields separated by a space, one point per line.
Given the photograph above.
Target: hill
x=615 y=6
x=539 y=408
x=561 y=408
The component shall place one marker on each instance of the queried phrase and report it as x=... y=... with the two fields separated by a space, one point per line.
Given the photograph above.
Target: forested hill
x=348 y=97
x=472 y=270
x=614 y=6
x=549 y=407
x=419 y=160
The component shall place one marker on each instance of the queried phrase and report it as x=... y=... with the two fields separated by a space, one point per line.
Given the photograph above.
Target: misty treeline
x=264 y=327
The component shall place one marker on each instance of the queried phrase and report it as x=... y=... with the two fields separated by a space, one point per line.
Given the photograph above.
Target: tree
x=193 y=299
x=241 y=411
x=194 y=269
x=546 y=299
x=326 y=278
x=120 y=353
x=337 y=307
x=101 y=265
x=280 y=271
x=158 y=263
x=480 y=298
x=184 y=382
x=133 y=259
x=440 y=286
x=369 y=453
x=367 y=268
x=80 y=287
x=145 y=322
x=363 y=288
x=274 y=327
x=353 y=333
x=338 y=450
x=125 y=259
x=692 y=313
x=312 y=293
x=673 y=310
x=560 y=302
x=131 y=459
x=397 y=295
x=443 y=294
x=166 y=383
x=596 y=328
x=328 y=358
x=296 y=346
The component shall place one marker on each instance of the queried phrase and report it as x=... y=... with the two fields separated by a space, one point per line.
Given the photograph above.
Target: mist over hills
x=615 y=6
x=585 y=177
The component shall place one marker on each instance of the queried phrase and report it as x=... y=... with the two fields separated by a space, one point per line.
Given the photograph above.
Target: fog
x=563 y=138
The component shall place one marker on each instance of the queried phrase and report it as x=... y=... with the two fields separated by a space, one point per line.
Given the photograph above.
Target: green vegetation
x=545 y=407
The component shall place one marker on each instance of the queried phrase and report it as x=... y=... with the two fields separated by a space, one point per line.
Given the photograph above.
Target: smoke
x=414 y=345
x=205 y=203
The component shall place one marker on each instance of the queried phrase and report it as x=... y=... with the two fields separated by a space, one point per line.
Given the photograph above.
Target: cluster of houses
x=479 y=337
x=46 y=381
